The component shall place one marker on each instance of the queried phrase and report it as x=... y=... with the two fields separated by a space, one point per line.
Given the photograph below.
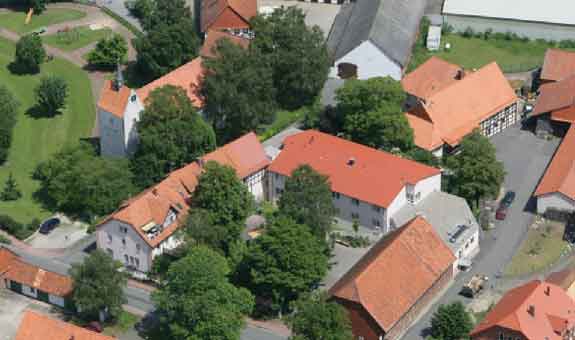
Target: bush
x=16 y=229
x=8 y=112
x=4 y=240
x=352 y=241
x=29 y=53
x=487 y=34
x=468 y=33
x=51 y=94
x=11 y=192
x=109 y=52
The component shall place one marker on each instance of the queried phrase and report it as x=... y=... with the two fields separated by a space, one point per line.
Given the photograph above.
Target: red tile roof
x=188 y=76
x=33 y=276
x=114 y=101
x=376 y=176
x=560 y=174
x=553 y=311
x=556 y=96
x=458 y=108
x=6 y=259
x=430 y=77
x=396 y=272
x=557 y=65
x=35 y=326
x=212 y=38
x=212 y=9
x=245 y=154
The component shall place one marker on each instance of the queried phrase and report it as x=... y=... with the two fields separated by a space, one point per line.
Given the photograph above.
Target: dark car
x=50 y=224
x=508 y=199
x=94 y=326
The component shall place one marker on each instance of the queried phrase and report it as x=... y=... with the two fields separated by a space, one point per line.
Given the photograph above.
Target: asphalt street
x=525 y=158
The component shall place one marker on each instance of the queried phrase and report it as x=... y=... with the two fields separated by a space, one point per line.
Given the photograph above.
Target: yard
x=513 y=55
x=126 y=321
x=36 y=139
x=543 y=247
x=15 y=21
x=76 y=38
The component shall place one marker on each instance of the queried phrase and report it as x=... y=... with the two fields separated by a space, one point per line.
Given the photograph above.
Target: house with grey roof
x=452 y=219
x=374 y=38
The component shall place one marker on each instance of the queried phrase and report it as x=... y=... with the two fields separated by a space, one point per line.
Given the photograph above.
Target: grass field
x=36 y=139
x=75 y=39
x=15 y=21
x=542 y=248
x=126 y=321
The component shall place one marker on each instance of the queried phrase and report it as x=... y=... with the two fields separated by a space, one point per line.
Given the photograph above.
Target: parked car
x=50 y=224
x=508 y=199
x=94 y=326
x=474 y=286
x=501 y=213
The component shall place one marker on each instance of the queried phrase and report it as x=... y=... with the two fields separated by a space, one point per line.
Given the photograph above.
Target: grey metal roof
x=328 y=91
x=391 y=25
x=444 y=212
x=47 y=264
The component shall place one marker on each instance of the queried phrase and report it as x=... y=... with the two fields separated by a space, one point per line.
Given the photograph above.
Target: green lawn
x=512 y=55
x=542 y=248
x=126 y=321
x=36 y=139
x=76 y=38
x=15 y=21
x=283 y=119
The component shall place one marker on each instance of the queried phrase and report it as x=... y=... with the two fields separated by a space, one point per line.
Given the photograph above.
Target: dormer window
x=133 y=98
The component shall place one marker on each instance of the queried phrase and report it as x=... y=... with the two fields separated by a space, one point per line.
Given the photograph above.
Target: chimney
x=351 y=161
x=155 y=192
x=548 y=290
x=118 y=81
x=460 y=74
x=531 y=310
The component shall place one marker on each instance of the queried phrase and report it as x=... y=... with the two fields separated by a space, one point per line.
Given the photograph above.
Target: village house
x=556 y=101
x=374 y=38
x=145 y=226
x=446 y=103
x=30 y=280
x=36 y=326
x=232 y=16
x=388 y=288
x=368 y=185
x=534 y=19
x=535 y=310
x=557 y=65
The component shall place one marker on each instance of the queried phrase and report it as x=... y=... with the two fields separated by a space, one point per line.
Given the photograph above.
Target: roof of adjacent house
x=114 y=101
x=36 y=277
x=552 y=311
x=353 y=169
x=560 y=174
x=552 y=11
x=7 y=257
x=556 y=96
x=446 y=213
x=245 y=154
x=431 y=77
x=558 y=64
x=564 y=278
x=391 y=25
x=36 y=326
x=396 y=272
x=188 y=76
x=212 y=38
x=459 y=107
x=212 y=9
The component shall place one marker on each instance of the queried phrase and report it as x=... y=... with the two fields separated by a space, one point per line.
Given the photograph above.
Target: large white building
x=367 y=185
x=535 y=19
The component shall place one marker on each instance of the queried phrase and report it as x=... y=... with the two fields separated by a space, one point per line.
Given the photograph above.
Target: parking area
x=65 y=235
x=12 y=307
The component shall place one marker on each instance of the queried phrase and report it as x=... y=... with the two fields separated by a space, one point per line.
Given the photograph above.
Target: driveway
x=525 y=158
x=65 y=235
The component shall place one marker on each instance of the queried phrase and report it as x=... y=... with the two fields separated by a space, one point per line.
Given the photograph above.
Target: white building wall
x=255 y=183
x=112 y=238
x=370 y=61
x=168 y=244
x=111 y=135
x=532 y=30
x=131 y=117
x=554 y=200
x=56 y=300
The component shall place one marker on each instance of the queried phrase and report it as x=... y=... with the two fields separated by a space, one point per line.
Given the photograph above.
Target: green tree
x=201 y=229
x=78 y=182
x=358 y=96
x=296 y=52
x=307 y=199
x=11 y=191
x=51 y=94
x=285 y=262
x=109 y=52
x=39 y=6
x=451 y=322
x=197 y=301
x=165 y=13
x=165 y=48
x=315 y=318
x=8 y=111
x=30 y=53
x=141 y=9
x=98 y=286
x=423 y=156
x=238 y=91
x=171 y=134
x=474 y=173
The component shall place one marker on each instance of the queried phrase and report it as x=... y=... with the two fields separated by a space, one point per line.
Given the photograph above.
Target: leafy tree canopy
x=451 y=322
x=109 y=52
x=198 y=302
x=315 y=318
x=307 y=199
x=98 y=286
x=30 y=53
x=11 y=192
x=286 y=261
x=360 y=96
x=474 y=173
x=51 y=94
x=8 y=111
x=171 y=134
x=39 y=6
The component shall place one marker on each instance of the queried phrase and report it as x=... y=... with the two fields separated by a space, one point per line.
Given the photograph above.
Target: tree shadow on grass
x=39 y=112
x=21 y=70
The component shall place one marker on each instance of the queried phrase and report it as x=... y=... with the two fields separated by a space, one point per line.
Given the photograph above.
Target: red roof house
x=227 y=14
x=36 y=326
x=389 y=286
x=535 y=310
x=212 y=38
x=557 y=65
x=558 y=99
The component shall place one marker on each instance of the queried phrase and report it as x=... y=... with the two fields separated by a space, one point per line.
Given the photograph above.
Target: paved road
x=525 y=158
